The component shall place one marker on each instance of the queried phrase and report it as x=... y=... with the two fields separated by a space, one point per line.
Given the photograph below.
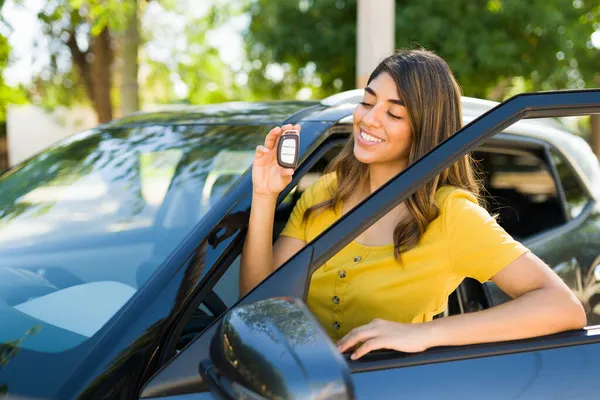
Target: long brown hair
x=431 y=95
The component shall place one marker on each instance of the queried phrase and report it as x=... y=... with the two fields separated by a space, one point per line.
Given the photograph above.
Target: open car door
x=181 y=375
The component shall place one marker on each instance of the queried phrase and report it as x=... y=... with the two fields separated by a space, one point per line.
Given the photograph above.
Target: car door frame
x=181 y=375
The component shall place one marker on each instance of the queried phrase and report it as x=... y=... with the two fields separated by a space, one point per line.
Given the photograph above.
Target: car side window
x=575 y=196
x=520 y=189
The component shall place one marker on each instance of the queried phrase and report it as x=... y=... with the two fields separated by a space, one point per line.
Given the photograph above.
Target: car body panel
x=566 y=372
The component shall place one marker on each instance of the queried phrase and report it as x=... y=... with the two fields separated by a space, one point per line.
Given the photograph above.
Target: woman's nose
x=372 y=118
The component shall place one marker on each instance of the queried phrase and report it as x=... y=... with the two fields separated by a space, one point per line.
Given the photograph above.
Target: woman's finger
x=272 y=136
x=368 y=346
x=261 y=150
x=355 y=336
x=259 y=155
x=287 y=127
x=287 y=172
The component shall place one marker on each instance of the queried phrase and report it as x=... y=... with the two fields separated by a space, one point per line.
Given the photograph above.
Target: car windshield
x=84 y=224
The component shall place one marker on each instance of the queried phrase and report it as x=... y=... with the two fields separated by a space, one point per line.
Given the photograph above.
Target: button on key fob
x=287 y=149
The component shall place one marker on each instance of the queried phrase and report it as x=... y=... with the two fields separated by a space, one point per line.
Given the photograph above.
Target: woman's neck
x=379 y=174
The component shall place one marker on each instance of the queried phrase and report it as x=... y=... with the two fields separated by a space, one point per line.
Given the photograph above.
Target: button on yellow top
x=463 y=241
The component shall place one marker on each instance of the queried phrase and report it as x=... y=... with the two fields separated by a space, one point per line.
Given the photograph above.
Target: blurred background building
x=68 y=64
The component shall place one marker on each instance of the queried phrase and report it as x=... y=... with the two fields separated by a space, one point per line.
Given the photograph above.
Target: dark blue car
x=120 y=249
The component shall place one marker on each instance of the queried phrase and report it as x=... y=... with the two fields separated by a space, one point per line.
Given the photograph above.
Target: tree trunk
x=101 y=70
x=129 y=83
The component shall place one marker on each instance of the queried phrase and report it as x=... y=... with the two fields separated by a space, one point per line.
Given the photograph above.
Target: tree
x=493 y=48
x=8 y=95
x=190 y=69
x=94 y=46
x=130 y=98
x=79 y=35
x=314 y=41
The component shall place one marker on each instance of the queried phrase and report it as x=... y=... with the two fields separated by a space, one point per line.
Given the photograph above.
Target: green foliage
x=496 y=48
x=69 y=28
x=198 y=65
x=543 y=41
x=8 y=95
x=103 y=13
x=303 y=36
x=59 y=83
x=488 y=45
x=200 y=68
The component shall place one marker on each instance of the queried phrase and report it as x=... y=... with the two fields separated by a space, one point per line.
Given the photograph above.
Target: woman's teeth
x=370 y=138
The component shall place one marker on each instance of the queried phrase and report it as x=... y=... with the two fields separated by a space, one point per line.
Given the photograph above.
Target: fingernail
x=353 y=356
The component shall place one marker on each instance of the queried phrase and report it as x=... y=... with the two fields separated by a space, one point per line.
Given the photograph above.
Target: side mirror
x=275 y=349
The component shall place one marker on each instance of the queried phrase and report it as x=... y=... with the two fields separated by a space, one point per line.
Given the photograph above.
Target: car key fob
x=288 y=148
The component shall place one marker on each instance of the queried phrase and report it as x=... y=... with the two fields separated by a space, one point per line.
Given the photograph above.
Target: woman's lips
x=366 y=142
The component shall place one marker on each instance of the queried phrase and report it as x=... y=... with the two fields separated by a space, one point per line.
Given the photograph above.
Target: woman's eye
x=365 y=104
x=394 y=116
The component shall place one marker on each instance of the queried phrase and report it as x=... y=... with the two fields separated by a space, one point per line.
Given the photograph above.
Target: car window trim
x=582 y=186
x=391 y=359
x=559 y=186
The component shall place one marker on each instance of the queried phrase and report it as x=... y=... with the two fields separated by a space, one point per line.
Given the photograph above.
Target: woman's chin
x=363 y=156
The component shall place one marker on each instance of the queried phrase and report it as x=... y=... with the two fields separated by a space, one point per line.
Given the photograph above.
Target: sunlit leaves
x=546 y=43
x=8 y=95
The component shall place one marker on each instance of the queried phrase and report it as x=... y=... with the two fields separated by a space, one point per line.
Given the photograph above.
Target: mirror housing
x=275 y=348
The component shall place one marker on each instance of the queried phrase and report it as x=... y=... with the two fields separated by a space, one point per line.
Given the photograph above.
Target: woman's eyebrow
x=394 y=101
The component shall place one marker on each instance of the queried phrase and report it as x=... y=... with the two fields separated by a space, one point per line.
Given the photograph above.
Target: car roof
x=264 y=112
x=574 y=148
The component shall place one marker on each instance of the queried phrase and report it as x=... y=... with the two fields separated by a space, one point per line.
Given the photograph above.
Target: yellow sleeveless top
x=361 y=282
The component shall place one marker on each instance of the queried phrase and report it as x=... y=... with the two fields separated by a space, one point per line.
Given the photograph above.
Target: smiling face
x=382 y=127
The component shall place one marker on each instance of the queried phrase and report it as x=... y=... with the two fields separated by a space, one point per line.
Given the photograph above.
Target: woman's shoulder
x=322 y=189
x=449 y=196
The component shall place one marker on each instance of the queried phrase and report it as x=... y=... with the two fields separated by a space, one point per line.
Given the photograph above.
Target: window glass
x=84 y=224
x=520 y=189
x=575 y=196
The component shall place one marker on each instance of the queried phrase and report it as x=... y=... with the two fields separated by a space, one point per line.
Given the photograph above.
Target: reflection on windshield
x=156 y=172
x=85 y=224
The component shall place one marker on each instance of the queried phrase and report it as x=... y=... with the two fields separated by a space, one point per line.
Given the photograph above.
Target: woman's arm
x=259 y=256
x=542 y=304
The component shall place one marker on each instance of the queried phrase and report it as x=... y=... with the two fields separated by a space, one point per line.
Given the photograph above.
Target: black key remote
x=287 y=149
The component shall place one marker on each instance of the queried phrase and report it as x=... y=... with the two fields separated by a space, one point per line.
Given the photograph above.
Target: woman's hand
x=381 y=334
x=268 y=177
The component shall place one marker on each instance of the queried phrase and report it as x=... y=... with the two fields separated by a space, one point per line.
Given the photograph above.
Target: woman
x=383 y=290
